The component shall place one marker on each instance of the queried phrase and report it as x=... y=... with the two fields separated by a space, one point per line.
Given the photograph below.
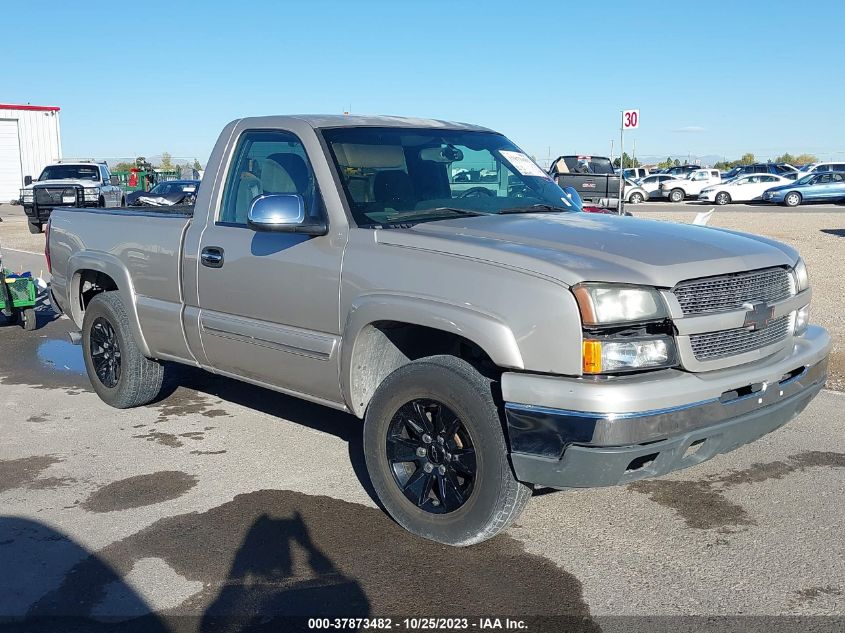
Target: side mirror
x=114 y=180
x=282 y=213
x=27 y=180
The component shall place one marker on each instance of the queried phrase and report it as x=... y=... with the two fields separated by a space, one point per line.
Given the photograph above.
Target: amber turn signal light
x=591 y=357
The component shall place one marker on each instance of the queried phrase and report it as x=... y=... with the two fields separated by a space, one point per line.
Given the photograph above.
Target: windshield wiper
x=428 y=213
x=533 y=208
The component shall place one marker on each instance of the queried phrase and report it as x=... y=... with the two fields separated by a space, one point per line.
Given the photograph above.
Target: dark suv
x=778 y=169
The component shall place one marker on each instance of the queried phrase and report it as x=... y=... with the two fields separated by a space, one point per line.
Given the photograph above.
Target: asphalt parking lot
x=224 y=500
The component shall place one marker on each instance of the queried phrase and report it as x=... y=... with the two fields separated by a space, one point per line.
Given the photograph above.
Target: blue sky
x=720 y=78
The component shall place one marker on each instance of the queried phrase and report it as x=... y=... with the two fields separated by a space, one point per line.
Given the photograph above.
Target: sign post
x=630 y=121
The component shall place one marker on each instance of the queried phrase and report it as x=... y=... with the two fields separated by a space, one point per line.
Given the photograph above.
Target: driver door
x=269 y=301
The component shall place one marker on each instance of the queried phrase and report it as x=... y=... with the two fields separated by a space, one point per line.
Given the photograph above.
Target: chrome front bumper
x=612 y=424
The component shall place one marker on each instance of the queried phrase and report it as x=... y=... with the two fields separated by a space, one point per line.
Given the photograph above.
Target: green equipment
x=17 y=298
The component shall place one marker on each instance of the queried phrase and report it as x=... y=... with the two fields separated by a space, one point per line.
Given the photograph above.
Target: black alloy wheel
x=431 y=455
x=105 y=352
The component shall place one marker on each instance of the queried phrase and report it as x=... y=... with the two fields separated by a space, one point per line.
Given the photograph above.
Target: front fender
x=110 y=265
x=490 y=334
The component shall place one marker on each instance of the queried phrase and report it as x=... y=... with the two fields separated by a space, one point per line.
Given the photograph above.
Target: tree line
x=724 y=165
x=165 y=164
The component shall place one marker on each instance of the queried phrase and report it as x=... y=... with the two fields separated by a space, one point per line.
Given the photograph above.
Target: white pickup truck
x=677 y=190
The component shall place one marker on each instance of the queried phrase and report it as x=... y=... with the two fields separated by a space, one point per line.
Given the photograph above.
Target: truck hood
x=66 y=182
x=576 y=247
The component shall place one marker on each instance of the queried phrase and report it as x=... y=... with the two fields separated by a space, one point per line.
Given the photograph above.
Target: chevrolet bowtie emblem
x=759 y=315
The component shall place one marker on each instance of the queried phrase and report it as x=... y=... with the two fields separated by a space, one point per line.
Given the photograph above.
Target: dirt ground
x=818 y=236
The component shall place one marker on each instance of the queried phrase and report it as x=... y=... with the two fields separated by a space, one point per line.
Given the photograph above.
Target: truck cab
x=71 y=183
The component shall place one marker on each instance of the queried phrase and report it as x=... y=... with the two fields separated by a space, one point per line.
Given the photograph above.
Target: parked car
x=779 y=169
x=634 y=193
x=815 y=187
x=592 y=177
x=677 y=190
x=165 y=194
x=68 y=184
x=459 y=326
x=635 y=173
x=681 y=171
x=652 y=182
x=743 y=189
x=812 y=168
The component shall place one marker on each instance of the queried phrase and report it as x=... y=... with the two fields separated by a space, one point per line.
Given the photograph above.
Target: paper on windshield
x=523 y=164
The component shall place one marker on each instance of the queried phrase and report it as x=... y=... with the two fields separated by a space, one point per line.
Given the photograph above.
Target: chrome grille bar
x=708 y=295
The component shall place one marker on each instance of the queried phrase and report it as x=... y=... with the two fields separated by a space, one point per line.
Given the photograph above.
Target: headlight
x=616 y=355
x=26 y=194
x=92 y=193
x=602 y=304
x=802 y=280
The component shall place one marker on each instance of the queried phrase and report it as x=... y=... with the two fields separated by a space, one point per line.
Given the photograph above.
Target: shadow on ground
x=268 y=560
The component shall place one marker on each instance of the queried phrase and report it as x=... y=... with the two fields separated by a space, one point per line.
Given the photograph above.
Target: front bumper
x=621 y=430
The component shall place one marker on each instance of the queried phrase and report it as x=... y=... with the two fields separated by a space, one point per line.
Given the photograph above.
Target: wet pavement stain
x=51 y=483
x=812 y=593
x=38 y=418
x=194 y=435
x=185 y=402
x=140 y=491
x=16 y=473
x=701 y=503
x=275 y=553
x=207 y=452
x=167 y=439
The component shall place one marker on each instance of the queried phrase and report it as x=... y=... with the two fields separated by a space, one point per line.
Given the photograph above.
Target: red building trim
x=9 y=106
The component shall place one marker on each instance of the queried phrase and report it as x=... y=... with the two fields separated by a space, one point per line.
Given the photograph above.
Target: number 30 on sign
x=630 y=119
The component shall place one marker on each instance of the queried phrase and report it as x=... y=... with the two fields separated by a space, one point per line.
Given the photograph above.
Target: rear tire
x=792 y=199
x=35 y=227
x=677 y=195
x=723 y=198
x=120 y=374
x=416 y=409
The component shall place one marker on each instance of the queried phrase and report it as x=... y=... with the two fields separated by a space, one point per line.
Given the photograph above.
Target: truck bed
x=144 y=242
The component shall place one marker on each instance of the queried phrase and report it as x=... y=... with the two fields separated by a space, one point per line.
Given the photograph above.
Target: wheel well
x=384 y=346
x=91 y=283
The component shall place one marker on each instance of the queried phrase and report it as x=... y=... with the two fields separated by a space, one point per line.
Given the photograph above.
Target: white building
x=30 y=138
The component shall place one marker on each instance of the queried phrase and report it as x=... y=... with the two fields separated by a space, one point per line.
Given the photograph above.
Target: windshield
x=70 y=172
x=396 y=175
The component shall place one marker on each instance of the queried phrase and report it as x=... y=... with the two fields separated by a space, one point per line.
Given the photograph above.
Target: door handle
x=212 y=256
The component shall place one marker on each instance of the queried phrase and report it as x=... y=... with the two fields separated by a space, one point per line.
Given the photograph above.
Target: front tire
x=120 y=374
x=636 y=198
x=677 y=195
x=436 y=453
x=792 y=199
x=35 y=227
x=723 y=198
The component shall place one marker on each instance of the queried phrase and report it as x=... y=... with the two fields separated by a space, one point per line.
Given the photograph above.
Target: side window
x=823 y=179
x=267 y=162
x=837 y=177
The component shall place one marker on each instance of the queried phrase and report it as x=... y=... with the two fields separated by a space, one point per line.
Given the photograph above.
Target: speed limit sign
x=630 y=119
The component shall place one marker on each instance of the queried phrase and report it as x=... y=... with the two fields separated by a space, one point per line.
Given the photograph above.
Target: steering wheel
x=478 y=192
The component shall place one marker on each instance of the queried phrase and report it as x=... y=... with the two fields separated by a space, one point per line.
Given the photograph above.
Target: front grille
x=729 y=292
x=714 y=345
x=52 y=196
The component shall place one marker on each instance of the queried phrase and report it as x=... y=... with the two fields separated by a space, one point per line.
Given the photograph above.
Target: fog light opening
x=692 y=449
x=641 y=462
